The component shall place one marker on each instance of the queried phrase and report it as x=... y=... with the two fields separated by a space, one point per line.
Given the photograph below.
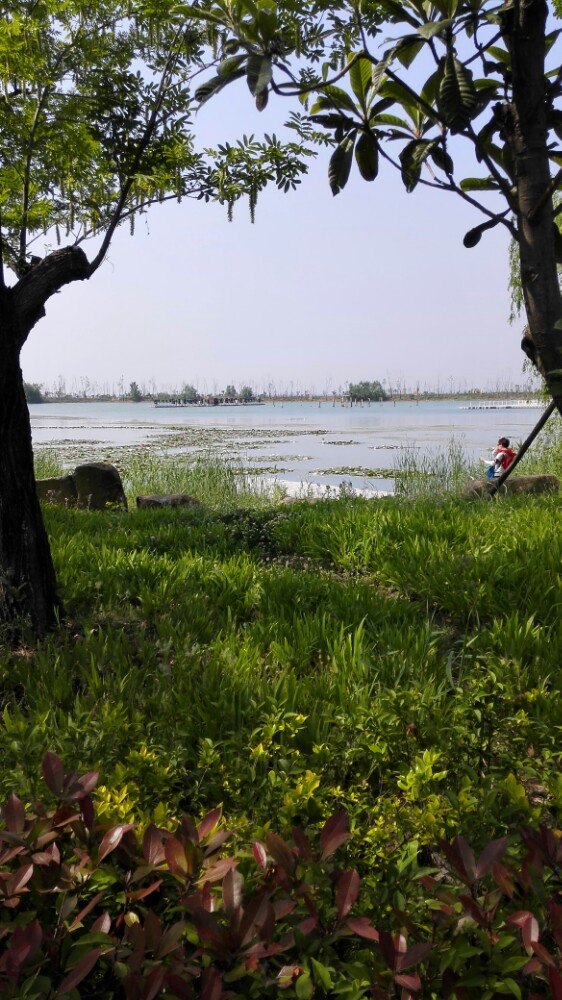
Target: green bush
x=163 y=911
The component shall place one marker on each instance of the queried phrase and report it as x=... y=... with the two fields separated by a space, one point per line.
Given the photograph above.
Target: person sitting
x=502 y=457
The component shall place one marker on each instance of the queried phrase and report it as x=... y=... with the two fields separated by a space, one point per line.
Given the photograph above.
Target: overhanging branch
x=44 y=279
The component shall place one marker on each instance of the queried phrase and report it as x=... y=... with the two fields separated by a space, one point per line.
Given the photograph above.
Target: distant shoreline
x=470 y=397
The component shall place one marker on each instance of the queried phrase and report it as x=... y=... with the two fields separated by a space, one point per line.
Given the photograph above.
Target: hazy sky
x=373 y=284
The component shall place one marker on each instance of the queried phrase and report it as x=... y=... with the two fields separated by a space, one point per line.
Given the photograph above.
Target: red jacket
x=505 y=456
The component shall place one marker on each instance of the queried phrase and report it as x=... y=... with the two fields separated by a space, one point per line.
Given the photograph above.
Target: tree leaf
x=340 y=165
x=478 y=184
x=259 y=73
x=433 y=28
x=458 y=98
x=339 y=98
x=367 y=156
x=360 y=76
x=216 y=83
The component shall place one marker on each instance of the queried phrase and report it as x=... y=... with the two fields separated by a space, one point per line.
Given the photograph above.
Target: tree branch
x=141 y=149
x=44 y=279
x=453 y=188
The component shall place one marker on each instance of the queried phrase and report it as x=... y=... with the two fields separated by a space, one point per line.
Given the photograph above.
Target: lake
x=298 y=442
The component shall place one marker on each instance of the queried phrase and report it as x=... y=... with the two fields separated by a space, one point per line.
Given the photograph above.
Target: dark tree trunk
x=527 y=130
x=28 y=590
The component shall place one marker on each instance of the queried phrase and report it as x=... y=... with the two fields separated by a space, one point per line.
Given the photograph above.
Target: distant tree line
x=33 y=393
x=367 y=392
x=189 y=394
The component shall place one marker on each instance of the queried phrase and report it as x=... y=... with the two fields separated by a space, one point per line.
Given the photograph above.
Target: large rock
x=157 y=500
x=60 y=490
x=545 y=483
x=99 y=486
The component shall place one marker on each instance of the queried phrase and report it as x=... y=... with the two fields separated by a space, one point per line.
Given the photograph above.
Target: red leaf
x=153 y=845
x=83 y=913
x=280 y=852
x=530 y=933
x=87 y=811
x=232 y=890
x=102 y=925
x=388 y=949
x=302 y=843
x=14 y=815
x=555 y=915
x=112 y=839
x=411 y=983
x=82 y=786
x=17 y=881
x=176 y=858
x=363 y=927
x=503 y=879
x=492 y=852
x=53 y=773
x=217 y=872
x=415 y=954
x=260 y=857
x=555 y=980
x=347 y=892
x=153 y=982
x=208 y=823
x=334 y=833
x=211 y=984
x=541 y=952
x=170 y=939
x=143 y=893
x=79 y=972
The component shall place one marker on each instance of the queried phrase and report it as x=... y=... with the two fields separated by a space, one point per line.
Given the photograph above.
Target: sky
x=320 y=291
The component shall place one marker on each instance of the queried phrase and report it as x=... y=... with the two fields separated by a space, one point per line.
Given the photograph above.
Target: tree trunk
x=28 y=589
x=527 y=131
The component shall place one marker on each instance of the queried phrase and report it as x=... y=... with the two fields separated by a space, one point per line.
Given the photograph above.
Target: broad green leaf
x=441 y=158
x=360 y=76
x=340 y=164
x=478 y=184
x=367 y=156
x=457 y=95
x=408 y=50
x=258 y=74
x=501 y=55
x=433 y=28
x=216 y=83
x=410 y=163
x=398 y=11
x=340 y=98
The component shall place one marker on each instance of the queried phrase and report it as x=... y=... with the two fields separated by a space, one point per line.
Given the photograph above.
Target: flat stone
x=157 y=500
x=59 y=490
x=543 y=483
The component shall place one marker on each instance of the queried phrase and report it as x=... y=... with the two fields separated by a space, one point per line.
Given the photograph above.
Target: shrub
x=169 y=914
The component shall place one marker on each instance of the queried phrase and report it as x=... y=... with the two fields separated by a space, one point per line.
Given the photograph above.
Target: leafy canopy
x=350 y=65
x=96 y=123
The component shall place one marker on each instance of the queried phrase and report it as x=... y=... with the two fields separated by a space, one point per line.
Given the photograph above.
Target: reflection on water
x=320 y=437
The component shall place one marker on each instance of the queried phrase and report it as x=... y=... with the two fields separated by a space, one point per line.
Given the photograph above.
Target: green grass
x=398 y=658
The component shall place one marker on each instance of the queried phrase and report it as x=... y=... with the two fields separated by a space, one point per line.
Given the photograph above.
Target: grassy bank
x=400 y=659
